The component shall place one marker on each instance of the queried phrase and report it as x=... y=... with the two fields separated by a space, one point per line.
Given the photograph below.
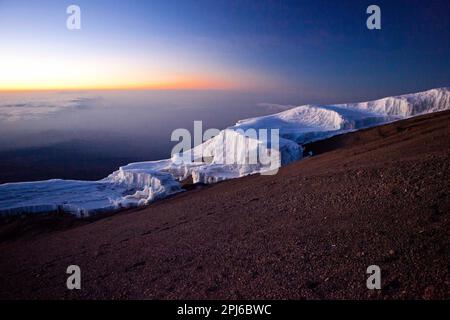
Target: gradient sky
x=319 y=47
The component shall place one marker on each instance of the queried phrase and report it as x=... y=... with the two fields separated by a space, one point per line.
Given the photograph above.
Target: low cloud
x=34 y=108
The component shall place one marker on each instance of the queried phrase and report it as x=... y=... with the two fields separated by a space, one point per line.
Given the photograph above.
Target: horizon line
x=117 y=89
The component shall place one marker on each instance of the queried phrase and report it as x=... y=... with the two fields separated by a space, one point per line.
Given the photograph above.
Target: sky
x=320 y=47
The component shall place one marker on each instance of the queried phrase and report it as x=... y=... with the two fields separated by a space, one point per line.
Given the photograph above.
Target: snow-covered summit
x=310 y=122
x=141 y=183
x=408 y=104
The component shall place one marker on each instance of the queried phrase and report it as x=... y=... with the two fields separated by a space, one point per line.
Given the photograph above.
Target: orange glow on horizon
x=37 y=71
x=46 y=73
x=179 y=83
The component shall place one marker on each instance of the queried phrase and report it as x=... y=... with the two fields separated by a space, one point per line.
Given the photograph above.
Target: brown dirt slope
x=378 y=196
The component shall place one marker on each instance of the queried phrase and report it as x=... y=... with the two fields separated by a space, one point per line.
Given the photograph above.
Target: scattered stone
x=428 y=293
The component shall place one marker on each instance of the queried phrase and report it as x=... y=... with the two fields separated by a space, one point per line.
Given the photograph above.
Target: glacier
x=138 y=184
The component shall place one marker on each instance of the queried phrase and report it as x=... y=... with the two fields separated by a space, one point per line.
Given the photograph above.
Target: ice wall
x=228 y=155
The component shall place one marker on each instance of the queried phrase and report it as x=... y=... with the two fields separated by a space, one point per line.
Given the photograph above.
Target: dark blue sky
x=319 y=49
